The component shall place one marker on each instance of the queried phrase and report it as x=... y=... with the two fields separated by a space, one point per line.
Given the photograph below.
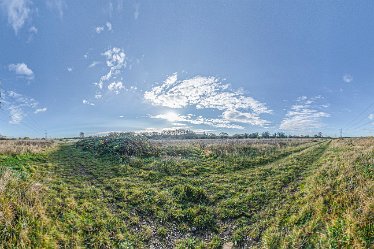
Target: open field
x=125 y=193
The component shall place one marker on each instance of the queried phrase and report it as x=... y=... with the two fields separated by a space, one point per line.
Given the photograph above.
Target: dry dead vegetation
x=9 y=147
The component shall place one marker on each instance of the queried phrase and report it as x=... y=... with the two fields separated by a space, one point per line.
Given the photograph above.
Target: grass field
x=258 y=193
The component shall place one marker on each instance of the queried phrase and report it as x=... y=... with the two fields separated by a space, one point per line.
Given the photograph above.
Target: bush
x=119 y=145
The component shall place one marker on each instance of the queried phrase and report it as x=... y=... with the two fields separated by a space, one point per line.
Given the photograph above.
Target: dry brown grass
x=12 y=147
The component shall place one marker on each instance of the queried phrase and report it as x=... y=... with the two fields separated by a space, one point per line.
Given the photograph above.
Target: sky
x=299 y=67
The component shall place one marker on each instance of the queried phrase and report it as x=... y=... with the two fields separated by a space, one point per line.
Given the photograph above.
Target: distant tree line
x=189 y=134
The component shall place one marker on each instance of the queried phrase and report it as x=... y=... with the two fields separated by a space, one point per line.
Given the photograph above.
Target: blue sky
x=236 y=66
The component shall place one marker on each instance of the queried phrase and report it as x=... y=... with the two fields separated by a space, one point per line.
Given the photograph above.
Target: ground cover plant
x=124 y=191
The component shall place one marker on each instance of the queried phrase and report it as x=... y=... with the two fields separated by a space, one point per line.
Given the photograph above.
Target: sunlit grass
x=276 y=195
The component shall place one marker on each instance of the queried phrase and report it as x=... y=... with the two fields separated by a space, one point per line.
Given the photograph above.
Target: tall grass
x=14 y=147
x=23 y=219
x=335 y=207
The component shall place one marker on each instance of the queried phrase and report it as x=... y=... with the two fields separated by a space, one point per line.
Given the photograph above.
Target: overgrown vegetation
x=128 y=192
x=15 y=147
x=119 y=145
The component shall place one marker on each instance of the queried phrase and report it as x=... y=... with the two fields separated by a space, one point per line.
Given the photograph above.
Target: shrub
x=119 y=145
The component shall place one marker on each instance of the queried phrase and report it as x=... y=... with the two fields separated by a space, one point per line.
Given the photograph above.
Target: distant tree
x=81 y=134
x=212 y=135
x=224 y=135
x=281 y=135
x=265 y=134
x=239 y=136
x=254 y=135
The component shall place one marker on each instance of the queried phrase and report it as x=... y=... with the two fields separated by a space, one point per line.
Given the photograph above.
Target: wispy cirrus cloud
x=136 y=11
x=208 y=93
x=57 y=5
x=306 y=115
x=40 y=110
x=115 y=7
x=18 y=12
x=32 y=32
x=19 y=105
x=94 y=63
x=22 y=70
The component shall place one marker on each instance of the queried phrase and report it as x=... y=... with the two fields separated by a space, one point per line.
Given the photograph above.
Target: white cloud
x=22 y=69
x=99 y=29
x=112 y=81
x=115 y=58
x=172 y=129
x=86 y=102
x=69 y=69
x=243 y=117
x=116 y=87
x=40 y=110
x=57 y=5
x=305 y=115
x=16 y=115
x=197 y=120
x=116 y=62
x=109 y=26
x=33 y=29
x=118 y=7
x=170 y=116
x=136 y=11
x=208 y=93
x=18 y=12
x=99 y=84
x=18 y=105
x=32 y=32
x=371 y=116
x=94 y=63
x=347 y=78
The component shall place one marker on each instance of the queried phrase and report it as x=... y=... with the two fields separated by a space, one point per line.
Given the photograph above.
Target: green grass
x=300 y=195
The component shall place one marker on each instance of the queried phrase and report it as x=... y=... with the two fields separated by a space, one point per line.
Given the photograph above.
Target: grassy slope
x=317 y=195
